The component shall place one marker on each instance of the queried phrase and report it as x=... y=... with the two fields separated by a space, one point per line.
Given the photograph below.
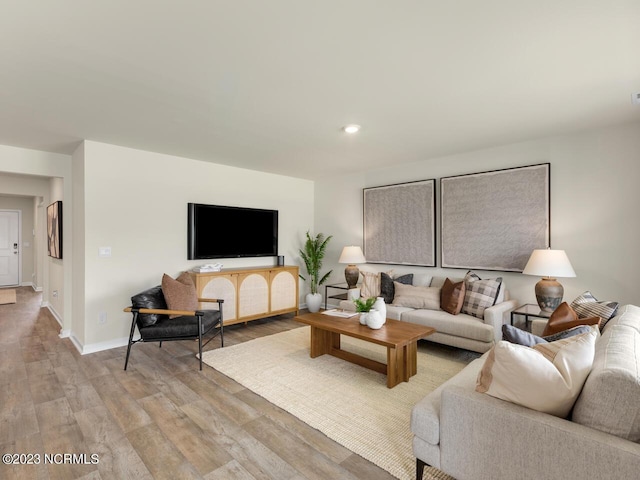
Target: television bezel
x=191 y=231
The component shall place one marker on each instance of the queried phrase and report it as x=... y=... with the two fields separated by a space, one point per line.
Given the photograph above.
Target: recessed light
x=351 y=128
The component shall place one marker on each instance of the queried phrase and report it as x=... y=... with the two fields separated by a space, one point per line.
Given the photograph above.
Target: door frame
x=19 y=212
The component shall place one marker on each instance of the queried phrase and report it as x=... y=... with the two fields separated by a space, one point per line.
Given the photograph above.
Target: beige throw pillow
x=416 y=297
x=370 y=284
x=547 y=377
x=180 y=294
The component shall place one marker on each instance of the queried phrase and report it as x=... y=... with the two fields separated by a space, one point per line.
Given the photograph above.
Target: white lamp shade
x=352 y=255
x=549 y=263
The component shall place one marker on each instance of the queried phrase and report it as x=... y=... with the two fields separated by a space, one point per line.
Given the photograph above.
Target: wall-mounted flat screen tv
x=217 y=231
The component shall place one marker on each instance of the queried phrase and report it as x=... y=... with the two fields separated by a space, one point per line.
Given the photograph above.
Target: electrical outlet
x=102 y=318
x=55 y=293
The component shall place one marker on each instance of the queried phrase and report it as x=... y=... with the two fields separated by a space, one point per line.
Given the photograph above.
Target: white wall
x=56 y=265
x=594 y=200
x=136 y=203
x=25 y=206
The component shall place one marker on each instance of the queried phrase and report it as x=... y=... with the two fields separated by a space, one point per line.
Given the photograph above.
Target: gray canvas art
x=399 y=224
x=494 y=220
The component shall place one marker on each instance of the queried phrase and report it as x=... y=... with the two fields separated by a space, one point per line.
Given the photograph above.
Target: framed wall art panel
x=54 y=229
x=399 y=224
x=494 y=220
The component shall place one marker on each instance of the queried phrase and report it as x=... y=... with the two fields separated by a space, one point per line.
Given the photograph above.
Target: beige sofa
x=471 y=435
x=462 y=330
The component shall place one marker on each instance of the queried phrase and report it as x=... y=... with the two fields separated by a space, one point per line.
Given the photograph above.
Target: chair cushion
x=151 y=298
x=180 y=293
x=185 y=326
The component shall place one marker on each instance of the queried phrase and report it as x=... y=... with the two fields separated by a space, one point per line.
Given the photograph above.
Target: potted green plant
x=364 y=305
x=312 y=255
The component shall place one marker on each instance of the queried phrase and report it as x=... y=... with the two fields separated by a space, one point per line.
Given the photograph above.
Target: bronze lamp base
x=351 y=274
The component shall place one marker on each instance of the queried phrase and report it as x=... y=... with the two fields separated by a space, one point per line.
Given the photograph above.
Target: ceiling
x=267 y=85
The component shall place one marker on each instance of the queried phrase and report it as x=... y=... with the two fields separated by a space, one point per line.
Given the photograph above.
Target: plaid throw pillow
x=480 y=294
x=586 y=306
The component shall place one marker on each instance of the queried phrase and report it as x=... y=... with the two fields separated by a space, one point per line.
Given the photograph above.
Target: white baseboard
x=53 y=312
x=76 y=342
x=36 y=288
x=98 y=347
x=26 y=284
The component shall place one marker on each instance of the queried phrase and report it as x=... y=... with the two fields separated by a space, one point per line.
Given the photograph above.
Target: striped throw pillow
x=586 y=305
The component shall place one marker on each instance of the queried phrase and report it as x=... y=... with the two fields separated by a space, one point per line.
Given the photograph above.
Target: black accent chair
x=151 y=315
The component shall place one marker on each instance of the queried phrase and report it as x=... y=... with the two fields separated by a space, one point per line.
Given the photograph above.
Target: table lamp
x=549 y=263
x=352 y=255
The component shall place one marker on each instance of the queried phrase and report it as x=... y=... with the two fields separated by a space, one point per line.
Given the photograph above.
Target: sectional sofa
x=472 y=435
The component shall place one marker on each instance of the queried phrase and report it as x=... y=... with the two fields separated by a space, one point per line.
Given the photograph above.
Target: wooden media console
x=251 y=293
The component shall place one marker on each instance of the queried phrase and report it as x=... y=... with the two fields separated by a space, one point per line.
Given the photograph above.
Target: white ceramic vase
x=314 y=300
x=374 y=319
x=381 y=307
x=363 y=318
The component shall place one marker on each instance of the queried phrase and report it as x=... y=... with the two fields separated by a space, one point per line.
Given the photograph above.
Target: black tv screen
x=216 y=231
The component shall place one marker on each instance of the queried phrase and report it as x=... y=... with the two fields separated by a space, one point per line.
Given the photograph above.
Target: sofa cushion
x=180 y=293
x=610 y=399
x=416 y=297
x=628 y=315
x=153 y=298
x=387 y=289
x=452 y=296
x=564 y=317
x=425 y=415
x=461 y=325
x=521 y=337
x=547 y=377
x=586 y=305
x=480 y=294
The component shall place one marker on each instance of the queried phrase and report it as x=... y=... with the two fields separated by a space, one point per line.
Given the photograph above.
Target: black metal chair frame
x=196 y=313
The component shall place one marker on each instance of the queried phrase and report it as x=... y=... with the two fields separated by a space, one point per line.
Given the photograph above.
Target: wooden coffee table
x=400 y=338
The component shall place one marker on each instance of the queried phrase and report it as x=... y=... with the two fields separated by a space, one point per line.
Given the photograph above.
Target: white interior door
x=9 y=248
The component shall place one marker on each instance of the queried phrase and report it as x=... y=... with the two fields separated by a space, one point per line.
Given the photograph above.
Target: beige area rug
x=7 y=296
x=348 y=403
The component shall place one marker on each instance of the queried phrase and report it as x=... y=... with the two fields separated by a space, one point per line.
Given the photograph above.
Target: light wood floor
x=162 y=418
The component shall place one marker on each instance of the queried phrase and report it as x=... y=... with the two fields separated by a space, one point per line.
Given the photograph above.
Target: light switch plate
x=104 y=251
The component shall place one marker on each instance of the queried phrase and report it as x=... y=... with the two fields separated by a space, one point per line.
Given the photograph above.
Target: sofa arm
x=482 y=437
x=498 y=315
